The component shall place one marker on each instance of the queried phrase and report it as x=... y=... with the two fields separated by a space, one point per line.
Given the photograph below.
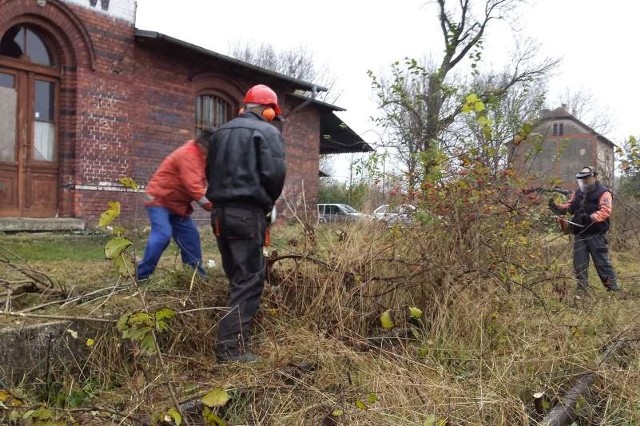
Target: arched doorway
x=29 y=123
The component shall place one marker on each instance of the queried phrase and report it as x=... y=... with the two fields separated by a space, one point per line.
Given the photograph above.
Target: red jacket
x=179 y=180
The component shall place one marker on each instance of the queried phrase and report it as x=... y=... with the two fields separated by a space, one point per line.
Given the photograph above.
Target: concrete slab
x=30 y=353
x=24 y=224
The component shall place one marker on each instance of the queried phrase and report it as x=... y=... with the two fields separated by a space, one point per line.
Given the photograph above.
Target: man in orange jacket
x=179 y=180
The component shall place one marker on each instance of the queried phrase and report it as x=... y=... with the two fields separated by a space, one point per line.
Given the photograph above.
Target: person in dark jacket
x=246 y=172
x=590 y=206
x=179 y=180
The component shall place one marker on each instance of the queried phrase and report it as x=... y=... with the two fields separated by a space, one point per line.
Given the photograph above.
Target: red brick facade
x=124 y=105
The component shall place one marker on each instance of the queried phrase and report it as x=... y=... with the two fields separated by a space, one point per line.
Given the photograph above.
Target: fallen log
x=564 y=412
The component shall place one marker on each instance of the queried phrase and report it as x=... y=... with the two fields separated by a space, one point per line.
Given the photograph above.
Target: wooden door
x=29 y=86
x=29 y=172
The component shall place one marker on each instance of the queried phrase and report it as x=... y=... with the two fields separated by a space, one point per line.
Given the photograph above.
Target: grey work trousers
x=596 y=246
x=240 y=236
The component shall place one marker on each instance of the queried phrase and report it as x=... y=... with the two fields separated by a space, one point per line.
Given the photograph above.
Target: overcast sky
x=596 y=41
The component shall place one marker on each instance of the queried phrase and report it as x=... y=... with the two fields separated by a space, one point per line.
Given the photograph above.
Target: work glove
x=584 y=219
x=270 y=216
x=553 y=207
x=205 y=203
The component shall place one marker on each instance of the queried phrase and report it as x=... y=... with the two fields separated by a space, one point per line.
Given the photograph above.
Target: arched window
x=212 y=111
x=22 y=42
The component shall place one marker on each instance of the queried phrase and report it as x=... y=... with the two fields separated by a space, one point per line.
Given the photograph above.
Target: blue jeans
x=165 y=225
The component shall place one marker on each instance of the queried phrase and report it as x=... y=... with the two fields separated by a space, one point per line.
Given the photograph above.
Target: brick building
x=559 y=146
x=87 y=98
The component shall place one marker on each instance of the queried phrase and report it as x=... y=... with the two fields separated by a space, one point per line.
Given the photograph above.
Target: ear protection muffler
x=268 y=113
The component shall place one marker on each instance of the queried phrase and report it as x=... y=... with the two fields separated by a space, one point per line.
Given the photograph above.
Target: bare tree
x=295 y=62
x=327 y=164
x=583 y=105
x=430 y=100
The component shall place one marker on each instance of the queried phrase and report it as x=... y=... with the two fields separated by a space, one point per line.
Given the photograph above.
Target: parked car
x=392 y=214
x=338 y=213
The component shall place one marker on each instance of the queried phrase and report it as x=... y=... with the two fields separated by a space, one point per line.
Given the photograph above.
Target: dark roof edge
x=316 y=102
x=297 y=82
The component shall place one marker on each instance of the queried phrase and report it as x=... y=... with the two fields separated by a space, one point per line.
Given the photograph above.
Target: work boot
x=611 y=287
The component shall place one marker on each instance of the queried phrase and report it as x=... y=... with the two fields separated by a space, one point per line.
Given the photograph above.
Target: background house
x=558 y=147
x=86 y=98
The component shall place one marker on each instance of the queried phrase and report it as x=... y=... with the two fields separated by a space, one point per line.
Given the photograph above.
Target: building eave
x=144 y=35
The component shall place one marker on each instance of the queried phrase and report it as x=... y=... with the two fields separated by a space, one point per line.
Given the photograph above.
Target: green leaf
x=141 y=318
x=124 y=265
x=175 y=415
x=148 y=345
x=483 y=121
x=165 y=313
x=372 y=398
x=127 y=182
x=471 y=98
x=216 y=398
x=415 y=313
x=211 y=419
x=115 y=247
x=123 y=322
x=42 y=413
x=338 y=413
x=162 y=315
x=430 y=420
x=386 y=321
x=361 y=405
x=109 y=215
x=8 y=400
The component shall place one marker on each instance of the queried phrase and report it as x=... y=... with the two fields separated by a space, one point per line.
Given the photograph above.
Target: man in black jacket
x=246 y=171
x=590 y=206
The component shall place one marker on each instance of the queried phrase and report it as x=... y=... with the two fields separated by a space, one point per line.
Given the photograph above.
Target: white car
x=338 y=213
x=392 y=214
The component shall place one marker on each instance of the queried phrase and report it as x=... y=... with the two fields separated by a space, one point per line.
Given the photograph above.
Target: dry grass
x=500 y=322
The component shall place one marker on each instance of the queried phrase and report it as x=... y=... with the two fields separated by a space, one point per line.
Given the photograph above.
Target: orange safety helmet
x=262 y=95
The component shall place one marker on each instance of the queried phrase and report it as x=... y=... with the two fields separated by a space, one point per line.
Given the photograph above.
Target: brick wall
x=301 y=135
x=119 y=9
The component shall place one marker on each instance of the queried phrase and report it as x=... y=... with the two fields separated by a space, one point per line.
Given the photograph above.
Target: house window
x=211 y=111
x=558 y=129
x=22 y=42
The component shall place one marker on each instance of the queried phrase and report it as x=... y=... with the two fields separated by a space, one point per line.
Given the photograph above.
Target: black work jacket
x=246 y=163
x=588 y=203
